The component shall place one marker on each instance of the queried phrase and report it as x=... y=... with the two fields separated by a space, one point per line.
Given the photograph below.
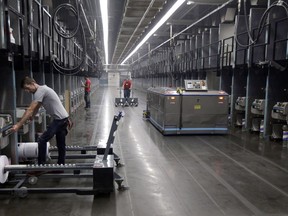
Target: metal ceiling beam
x=131 y=19
x=179 y=22
x=90 y=31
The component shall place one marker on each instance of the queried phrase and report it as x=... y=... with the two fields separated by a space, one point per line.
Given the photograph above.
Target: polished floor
x=237 y=174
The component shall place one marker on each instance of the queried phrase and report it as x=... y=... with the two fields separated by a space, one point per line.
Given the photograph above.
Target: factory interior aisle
x=237 y=174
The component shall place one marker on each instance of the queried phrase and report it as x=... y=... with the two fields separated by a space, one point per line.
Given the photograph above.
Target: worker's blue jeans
x=87 y=99
x=58 y=128
x=126 y=93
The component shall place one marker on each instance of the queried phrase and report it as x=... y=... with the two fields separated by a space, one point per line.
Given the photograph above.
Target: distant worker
x=127 y=85
x=46 y=97
x=87 y=89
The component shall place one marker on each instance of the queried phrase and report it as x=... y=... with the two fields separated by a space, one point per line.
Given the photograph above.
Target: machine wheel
x=21 y=192
x=32 y=180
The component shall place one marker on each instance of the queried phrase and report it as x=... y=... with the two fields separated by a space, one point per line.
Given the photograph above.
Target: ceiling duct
x=228 y=15
x=259 y=2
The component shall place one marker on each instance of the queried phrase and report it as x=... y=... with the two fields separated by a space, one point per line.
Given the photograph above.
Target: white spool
x=285 y=135
x=12 y=39
x=3 y=162
x=29 y=150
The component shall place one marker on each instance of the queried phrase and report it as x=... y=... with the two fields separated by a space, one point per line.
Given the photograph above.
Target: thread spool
x=29 y=150
x=3 y=162
x=285 y=136
x=12 y=39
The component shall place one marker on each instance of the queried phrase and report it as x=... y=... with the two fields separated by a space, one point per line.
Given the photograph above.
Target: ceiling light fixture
x=154 y=29
x=190 y=2
x=104 y=16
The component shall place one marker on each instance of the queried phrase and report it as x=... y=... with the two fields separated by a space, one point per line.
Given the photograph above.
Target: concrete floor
x=207 y=175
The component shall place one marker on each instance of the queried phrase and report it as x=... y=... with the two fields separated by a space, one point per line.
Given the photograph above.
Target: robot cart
x=121 y=101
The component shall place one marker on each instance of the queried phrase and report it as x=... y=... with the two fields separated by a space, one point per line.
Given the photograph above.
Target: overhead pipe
x=90 y=31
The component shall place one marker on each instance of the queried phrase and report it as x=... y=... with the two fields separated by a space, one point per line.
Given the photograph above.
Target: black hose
x=69 y=35
x=77 y=69
x=75 y=12
x=261 y=23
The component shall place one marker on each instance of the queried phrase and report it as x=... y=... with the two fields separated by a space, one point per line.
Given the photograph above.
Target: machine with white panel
x=280 y=111
x=240 y=105
x=174 y=111
x=279 y=119
x=257 y=110
x=6 y=124
x=19 y=113
x=195 y=85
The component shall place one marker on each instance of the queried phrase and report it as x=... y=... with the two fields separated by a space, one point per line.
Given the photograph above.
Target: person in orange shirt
x=87 y=89
x=127 y=85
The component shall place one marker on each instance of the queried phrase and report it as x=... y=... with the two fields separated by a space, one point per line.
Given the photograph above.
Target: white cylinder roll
x=3 y=162
x=29 y=150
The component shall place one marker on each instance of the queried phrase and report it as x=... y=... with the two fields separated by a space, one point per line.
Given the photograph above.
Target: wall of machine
x=240 y=49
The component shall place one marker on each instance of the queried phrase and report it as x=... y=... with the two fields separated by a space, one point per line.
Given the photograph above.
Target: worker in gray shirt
x=46 y=97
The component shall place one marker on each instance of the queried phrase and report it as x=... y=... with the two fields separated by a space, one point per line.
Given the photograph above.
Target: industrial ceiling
x=130 y=20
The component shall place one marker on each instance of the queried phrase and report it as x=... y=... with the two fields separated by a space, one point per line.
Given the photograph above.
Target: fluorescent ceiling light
x=190 y=2
x=104 y=16
x=154 y=29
